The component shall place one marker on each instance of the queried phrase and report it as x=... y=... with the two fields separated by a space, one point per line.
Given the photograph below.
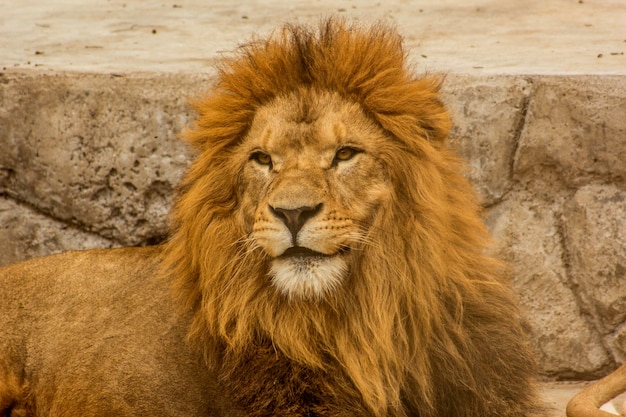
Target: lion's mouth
x=304 y=272
x=302 y=252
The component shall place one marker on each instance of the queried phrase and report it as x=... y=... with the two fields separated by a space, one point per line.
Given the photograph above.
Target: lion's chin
x=308 y=276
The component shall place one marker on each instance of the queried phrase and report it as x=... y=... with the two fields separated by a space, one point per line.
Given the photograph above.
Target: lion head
x=326 y=216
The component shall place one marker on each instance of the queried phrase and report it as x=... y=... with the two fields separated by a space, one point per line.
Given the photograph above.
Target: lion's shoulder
x=98 y=330
x=80 y=278
x=85 y=260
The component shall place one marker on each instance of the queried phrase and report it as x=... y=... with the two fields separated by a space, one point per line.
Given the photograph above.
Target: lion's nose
x=294 y=219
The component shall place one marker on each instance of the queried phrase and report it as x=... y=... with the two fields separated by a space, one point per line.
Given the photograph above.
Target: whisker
x=247 y=246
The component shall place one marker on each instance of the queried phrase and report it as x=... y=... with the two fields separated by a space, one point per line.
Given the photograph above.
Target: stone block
x=595 y=235
x=100 y=151
x=616 y=343
x=25 y=233
x=528 y=238
x=487 y=117
x=576 y=127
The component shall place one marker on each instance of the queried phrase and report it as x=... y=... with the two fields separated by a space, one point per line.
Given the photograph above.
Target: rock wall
x=93 y=161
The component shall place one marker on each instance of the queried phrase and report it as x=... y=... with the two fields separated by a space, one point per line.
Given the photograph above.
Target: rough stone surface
x=528 y=238
x=25 y=233
x=595 y=231
x=576 y=127
x=96 y=150
x=488 y=115
x=617 y=343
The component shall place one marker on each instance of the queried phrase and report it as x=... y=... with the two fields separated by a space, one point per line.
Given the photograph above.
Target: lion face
x=311 y=188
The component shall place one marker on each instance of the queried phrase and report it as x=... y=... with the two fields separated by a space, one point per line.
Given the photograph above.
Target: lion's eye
x=262 y=158
x=344 y=154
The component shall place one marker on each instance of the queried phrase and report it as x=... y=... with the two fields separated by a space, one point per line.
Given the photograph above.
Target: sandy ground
x=475 y=36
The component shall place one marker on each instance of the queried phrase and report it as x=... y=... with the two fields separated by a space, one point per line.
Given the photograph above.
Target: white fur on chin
x=308 y=277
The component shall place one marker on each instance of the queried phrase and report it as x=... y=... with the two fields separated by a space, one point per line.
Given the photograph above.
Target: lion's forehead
x=278 y=134
x=285 y=129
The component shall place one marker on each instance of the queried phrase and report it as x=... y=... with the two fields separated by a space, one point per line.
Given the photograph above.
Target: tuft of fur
x=13 y=395
x=425 y=323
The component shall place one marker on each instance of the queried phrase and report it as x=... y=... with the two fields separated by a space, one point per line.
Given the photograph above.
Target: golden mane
x=424 y=309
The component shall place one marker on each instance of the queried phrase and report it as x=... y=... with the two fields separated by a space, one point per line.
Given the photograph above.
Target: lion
x=587 y=402
x=326 y=257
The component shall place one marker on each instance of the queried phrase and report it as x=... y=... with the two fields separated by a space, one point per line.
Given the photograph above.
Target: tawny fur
x=427 y=325
x=587 y=403
x=422 y=324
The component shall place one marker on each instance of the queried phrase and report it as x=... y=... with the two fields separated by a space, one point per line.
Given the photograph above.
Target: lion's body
x=327 y=257
x=97 y=333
